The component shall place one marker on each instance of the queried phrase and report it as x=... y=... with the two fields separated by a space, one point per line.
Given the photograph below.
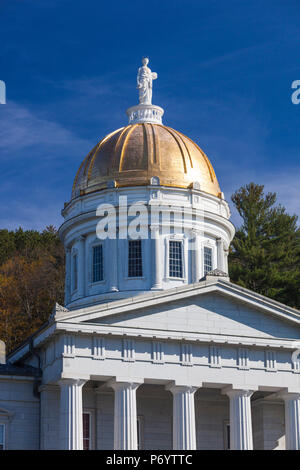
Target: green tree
x=265 y=253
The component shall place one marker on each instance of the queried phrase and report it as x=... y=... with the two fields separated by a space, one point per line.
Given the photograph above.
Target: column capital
x=80 y=238
x=178 y=388
x=194 y=231
x=72 y=381
x=286 y=395
x=154 y=231
x=119 y=383
x=239 y=391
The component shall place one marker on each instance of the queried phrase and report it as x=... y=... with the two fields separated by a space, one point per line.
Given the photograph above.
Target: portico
x=209 y=408
x=209 y=382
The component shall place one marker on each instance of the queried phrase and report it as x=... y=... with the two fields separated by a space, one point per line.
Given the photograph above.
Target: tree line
x=264 y=256
x=31 y=281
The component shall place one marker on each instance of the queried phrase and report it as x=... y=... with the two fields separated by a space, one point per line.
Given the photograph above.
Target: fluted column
x=71 y=433
x=113 y=263
x=184 y=424
x=292 y=420
x=157 y=258
x=125 y=416
x=81 y=267
x=240 y=419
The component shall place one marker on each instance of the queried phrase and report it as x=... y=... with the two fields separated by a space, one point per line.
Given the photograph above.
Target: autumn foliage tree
x=31 y=281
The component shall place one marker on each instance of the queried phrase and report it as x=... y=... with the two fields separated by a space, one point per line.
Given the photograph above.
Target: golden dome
x=132 y=155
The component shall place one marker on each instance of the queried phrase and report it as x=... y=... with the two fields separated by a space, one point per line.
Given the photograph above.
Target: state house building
x=154 y=348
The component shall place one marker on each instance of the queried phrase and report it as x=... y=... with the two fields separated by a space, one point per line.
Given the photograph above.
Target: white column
x=157 y=258
x=113 y=263
x=184 y=425
x=292 y=420
x=196 y=255
x=71 y=435
x=240 y=419
x=125 y=416
x=220 y=255
x=46 y=439
x=68 y=276
x=226 y=252
x=81 y=267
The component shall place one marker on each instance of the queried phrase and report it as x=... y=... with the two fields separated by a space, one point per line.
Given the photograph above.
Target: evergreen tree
x=265 y=253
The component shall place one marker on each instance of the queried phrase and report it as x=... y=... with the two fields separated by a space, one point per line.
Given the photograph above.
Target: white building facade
x=155 y=348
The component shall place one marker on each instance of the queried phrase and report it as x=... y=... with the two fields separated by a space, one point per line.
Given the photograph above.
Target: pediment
x=220 y=308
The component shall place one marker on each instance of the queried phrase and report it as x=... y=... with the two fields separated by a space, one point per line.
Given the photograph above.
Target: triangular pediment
x=220 y=308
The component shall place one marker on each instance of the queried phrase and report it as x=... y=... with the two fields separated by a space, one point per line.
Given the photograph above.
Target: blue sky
x=225 y=73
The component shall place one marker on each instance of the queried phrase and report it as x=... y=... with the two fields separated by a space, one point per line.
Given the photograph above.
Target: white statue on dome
x=144 y=82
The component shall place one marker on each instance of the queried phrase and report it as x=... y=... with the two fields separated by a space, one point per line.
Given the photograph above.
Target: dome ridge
x=133 y=154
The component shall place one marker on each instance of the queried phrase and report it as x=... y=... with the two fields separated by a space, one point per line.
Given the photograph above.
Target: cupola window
x=97 y=263
x=175 y=259
x=135 y=265
x=75 y=272
x=207 y=260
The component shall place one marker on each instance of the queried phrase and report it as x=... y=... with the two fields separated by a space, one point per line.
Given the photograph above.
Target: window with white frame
x=97 y=273
x=74 y=272
x=135 y=264
x=207 y=259
x=175 y=258
x=2 y=436
x=87 y=430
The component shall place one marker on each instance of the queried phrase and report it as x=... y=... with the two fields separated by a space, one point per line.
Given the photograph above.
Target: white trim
x=76 y=317
x=114 y=330
x=177 y=293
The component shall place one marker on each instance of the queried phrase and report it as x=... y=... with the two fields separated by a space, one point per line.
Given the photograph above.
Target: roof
x=133 y=155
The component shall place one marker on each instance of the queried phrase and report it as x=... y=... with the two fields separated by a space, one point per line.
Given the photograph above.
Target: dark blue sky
x=225 y=73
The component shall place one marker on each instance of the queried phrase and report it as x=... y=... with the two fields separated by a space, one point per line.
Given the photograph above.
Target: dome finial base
x=145 y=113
